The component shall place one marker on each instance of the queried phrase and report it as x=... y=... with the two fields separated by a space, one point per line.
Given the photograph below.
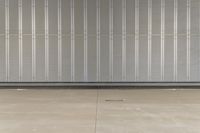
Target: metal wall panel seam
x=7 y=48
x=175 y=38
x=149 y=37
x=59 y=40
x=198 y=73
x=72 y=42
x=123 y=40
x=111 y=40
x=20 y=37
x=33 y=41
x=136 y=39
x=85 y=42
x=188 y=39
x=46 y=41
x=98 y=39
x=162 y=38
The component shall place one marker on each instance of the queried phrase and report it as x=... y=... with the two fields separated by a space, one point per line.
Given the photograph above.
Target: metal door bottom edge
x=164 y=84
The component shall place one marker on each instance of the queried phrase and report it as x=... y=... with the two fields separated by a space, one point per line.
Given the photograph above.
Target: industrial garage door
x=99 y=41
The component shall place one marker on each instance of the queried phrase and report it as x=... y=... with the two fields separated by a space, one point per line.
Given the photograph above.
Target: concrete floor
x=99 y=110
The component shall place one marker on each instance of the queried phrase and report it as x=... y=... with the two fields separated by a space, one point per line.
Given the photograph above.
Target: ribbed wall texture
x=99 y=40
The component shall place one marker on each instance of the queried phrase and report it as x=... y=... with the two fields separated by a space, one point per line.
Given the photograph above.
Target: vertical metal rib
x=136 y=39
x=59 y=40
x=46 y=41
x=20 y=39
x=188 y=39
x=149 y=37
x=7 y=22
x=72 y=42
x=98 y=39
x=111 y=39
x=85 y=42
x=33 y=41
x=199 y=39
x=175 y=38
x=162 y=38
x=123 y=40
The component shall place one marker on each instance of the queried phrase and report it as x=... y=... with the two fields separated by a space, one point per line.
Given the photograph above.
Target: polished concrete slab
x=113 y=110
x=47 y=111
x=149 y=111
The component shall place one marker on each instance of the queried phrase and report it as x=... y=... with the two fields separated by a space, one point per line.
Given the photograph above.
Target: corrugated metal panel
x=99 y=41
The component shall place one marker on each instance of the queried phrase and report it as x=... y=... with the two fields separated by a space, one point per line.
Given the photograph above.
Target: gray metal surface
x=100 y=41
